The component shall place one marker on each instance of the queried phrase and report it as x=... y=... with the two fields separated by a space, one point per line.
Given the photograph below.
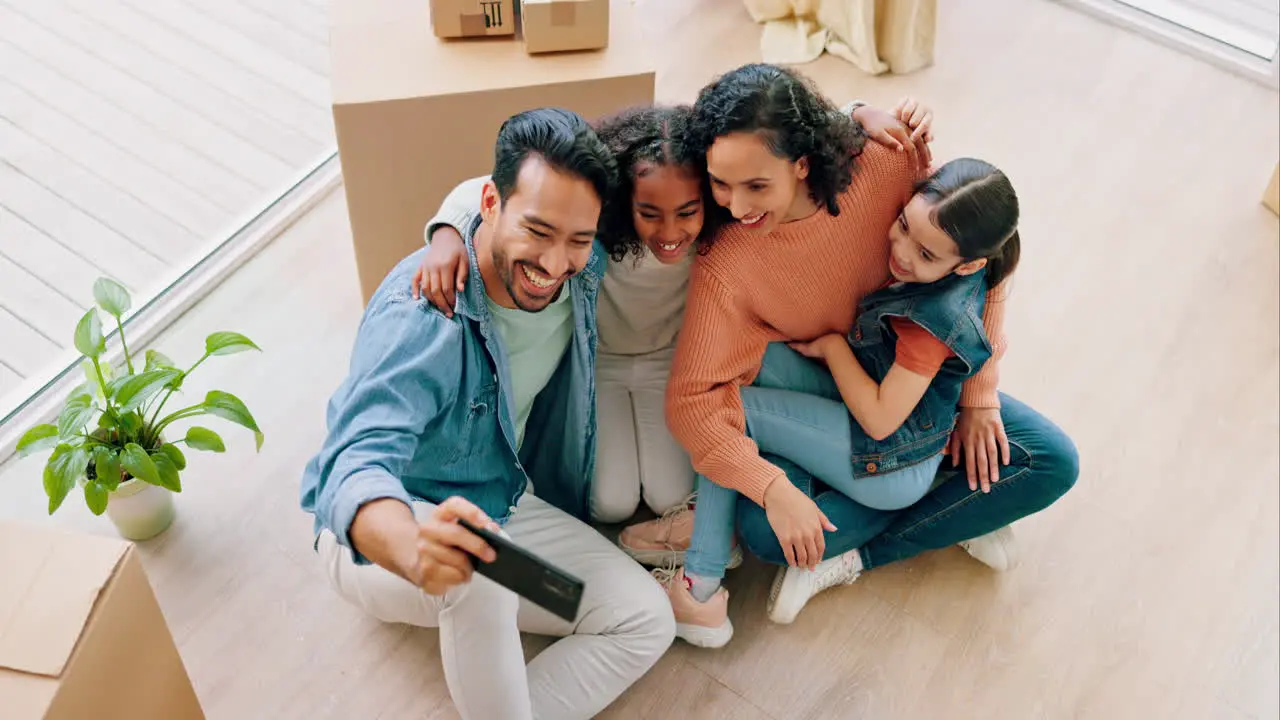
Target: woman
x=813 y=208
x=653 y=231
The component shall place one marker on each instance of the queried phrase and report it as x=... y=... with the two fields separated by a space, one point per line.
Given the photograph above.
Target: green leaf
x=130 y=425
x=229 y=407
x=55 y=488
x=37 y=438
x=65 y=467
x=107 y=467
x=168 y=473
x=95 y=496
x=137 y=463
x=199 y=438
x=157 y=360
x=75 y=415
x=175 y=455
x=140 y=388
x=89 y=340
x=228 y=343
x=111 y=296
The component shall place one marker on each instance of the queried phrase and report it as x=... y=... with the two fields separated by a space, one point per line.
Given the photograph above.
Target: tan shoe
x=704 y=624
x=662 y=542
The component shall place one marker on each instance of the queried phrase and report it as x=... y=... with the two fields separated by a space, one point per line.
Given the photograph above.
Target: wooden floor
x=135 y=135
x=1145 y=320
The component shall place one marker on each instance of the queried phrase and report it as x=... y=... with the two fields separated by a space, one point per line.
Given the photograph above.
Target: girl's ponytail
x=1005 y=261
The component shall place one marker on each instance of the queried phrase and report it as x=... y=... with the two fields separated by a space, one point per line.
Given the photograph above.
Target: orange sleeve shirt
x=917 y=349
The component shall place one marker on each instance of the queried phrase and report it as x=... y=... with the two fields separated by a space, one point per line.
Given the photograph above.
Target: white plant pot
x=140 y=510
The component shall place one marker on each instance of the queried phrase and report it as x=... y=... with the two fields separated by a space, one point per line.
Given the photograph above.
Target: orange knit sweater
x=802 y=281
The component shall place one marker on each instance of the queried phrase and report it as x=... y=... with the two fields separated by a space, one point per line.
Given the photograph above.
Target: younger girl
x=652 y=231
x=900 y=372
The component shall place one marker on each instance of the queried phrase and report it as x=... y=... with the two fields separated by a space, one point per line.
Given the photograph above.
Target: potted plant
x=110 y=438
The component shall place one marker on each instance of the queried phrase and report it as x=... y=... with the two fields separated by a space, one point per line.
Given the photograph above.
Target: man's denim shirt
x=424 y=412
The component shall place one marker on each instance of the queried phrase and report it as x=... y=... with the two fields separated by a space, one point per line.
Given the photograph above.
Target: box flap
x=52 y=580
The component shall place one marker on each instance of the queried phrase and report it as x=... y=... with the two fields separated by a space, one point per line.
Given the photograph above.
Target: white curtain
x=877 y=36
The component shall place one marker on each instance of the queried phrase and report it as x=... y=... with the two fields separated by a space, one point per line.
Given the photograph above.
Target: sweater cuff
x=980 y=392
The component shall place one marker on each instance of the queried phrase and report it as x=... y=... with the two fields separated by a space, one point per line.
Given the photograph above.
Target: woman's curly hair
x=638 y=135
x=794 y=119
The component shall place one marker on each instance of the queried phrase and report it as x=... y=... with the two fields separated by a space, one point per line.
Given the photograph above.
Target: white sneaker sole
x=705 y=637
x=674 y=558
x=779 y=612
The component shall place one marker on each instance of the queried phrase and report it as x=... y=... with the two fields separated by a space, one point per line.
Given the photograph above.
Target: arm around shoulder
x=458 y=208
x=981 y=390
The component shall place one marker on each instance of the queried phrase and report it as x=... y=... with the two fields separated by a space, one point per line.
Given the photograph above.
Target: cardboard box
x=81 y=633
x=415 y=115
x=1271 y=198
x=472 y=18
x=556 y=25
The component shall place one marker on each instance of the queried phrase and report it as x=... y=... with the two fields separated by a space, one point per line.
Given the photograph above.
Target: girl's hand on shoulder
x=980 y=438
x=915 y=116
x=888 y=129
x=444 y=270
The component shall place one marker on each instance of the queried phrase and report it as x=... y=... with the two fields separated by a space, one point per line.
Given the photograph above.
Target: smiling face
x=919 y=251
x=760 y=189
x=667 y=210
x=538 y=238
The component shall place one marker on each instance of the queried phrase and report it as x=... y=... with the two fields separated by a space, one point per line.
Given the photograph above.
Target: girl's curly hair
x=638 y=135
x=793 y=118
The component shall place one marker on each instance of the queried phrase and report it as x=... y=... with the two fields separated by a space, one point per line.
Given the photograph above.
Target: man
x=468 y=417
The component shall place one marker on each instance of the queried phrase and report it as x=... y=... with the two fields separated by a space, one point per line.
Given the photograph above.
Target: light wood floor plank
x=217 y=164
x=307 y=19
x=115 y=206
x=246 y=121
x=104 y=158
x=284 y=39
x=46 y=258
x=274 y=99
x=10 y=381
x=39 y=305
x=24 y=349
x=76 y=231
x=196 y=26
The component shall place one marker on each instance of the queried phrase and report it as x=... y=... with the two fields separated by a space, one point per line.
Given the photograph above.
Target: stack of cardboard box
x=416 y=114
x=546 y=25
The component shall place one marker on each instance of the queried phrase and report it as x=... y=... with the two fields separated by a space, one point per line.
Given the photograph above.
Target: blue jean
x=1044 y=466
x=815 y=432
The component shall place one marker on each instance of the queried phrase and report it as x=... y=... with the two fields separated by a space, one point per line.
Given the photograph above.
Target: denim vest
x=950 y=310
x=425 y=412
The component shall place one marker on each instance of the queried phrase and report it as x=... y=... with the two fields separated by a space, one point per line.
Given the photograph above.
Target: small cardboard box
x=81 y=633
x=472 y=18
x=415 y=115
x=558 y=25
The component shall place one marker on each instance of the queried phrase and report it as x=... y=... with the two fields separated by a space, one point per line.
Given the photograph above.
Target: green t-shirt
x=534 y=343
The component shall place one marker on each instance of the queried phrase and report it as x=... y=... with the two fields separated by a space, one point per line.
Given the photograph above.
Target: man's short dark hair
x=563 y=139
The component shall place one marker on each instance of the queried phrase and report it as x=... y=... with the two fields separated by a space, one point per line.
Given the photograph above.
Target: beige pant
x=636 y=456
x=623 y=627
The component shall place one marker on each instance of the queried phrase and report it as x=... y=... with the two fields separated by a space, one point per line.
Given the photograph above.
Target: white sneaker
x=997 y=550
x=793 y=587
